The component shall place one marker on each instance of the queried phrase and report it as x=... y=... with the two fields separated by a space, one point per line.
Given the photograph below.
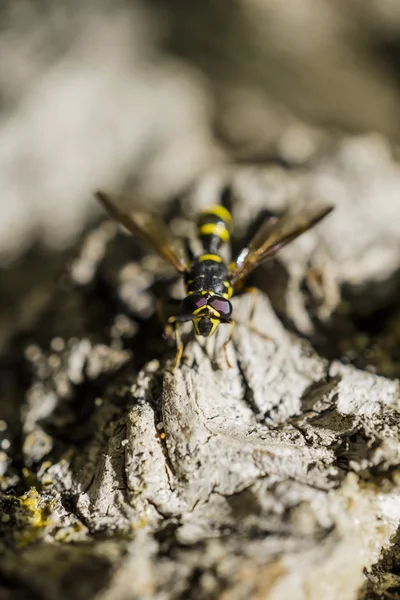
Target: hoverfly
x=210 y=283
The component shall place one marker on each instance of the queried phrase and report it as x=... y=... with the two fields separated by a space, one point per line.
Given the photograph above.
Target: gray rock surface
x=276 y=478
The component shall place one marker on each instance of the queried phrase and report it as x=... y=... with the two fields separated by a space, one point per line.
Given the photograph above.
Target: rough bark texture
x=278 y=477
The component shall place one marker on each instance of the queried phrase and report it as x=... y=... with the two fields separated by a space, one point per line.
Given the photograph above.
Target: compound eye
x=224 y=307
x=192 y=303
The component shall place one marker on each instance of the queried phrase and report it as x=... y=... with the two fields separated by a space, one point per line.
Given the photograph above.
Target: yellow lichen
x=34 y=516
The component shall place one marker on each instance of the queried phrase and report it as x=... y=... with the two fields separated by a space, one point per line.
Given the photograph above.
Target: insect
x=210 y=283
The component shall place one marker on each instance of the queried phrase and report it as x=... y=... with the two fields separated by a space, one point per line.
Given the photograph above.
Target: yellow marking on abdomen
x=221 y=212
x=218 y=229
x=213 y=257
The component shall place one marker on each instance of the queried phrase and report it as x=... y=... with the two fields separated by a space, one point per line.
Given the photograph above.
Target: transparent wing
x=148 y=226
x=273 y=235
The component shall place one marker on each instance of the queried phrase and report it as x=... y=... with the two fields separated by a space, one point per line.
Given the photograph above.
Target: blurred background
x=152 y=94
x=157 y=99
x=166 y=100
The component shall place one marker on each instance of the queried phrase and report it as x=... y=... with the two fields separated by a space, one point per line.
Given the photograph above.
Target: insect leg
x=161 y=304
x=173 y=324
x=179 y=345
x=228 y=339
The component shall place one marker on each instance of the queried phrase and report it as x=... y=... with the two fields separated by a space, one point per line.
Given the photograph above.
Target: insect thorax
x=208 y=274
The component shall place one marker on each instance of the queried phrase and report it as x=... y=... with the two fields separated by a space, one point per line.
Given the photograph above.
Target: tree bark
x=275 y=478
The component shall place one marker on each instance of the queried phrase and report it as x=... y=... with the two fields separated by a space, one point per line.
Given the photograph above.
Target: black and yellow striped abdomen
x=208 y=274
x=214 y=227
